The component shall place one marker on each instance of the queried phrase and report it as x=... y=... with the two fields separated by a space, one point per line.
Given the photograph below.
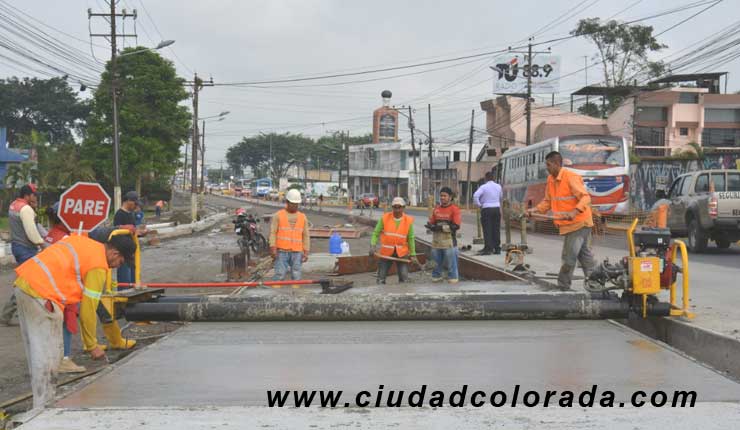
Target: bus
x=262 y=187
x=602 y=161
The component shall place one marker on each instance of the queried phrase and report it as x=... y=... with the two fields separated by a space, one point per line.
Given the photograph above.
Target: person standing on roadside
x=488 y=198
x=25 y=238
x=290 y=241
x=444 y=223
x=126 y=216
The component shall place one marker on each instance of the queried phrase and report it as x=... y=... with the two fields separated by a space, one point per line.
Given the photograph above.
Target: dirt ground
x=185 y=259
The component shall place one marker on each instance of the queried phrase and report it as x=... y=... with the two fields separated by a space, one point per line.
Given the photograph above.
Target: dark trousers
x=125 y=273
x=490 y=219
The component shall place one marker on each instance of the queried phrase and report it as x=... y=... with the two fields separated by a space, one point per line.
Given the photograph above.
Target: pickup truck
x=704 y=205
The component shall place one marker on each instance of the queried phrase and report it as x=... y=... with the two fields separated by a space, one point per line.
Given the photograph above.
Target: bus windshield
x=592 y=152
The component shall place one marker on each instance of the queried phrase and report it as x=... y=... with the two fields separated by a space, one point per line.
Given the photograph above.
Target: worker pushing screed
x=570 y=203
x=290 y=241
x=74 y=270
x=395 y=232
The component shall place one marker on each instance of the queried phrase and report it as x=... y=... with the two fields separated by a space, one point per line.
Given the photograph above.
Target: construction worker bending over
x=289 y=238
x=444 y=224
x=73 y=270
x=570 y=203
x=396 y=233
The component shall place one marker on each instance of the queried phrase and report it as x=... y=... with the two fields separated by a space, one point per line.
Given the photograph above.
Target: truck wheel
x=723 y=243
x=697 y=237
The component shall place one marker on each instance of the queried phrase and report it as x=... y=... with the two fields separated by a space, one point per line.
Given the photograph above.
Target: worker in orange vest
x=290 y=242
x=570 y=203
x=395 y=232
x=73 y=270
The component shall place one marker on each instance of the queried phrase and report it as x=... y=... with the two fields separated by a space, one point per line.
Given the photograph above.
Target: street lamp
x=116 y=137
x=221 y=116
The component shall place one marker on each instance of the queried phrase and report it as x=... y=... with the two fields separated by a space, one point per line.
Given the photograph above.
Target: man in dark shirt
x=125 y=217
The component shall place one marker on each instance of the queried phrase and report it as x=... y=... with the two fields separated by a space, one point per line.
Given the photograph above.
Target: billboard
x=510 y=74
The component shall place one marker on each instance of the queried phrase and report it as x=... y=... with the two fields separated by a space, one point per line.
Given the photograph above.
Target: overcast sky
x=243 y=40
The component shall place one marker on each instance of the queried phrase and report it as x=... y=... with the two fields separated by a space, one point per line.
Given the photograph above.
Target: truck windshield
x=592 y=152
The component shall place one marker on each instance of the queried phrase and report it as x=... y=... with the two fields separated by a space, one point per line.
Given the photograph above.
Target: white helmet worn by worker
x=398 y=201
x=293 y=196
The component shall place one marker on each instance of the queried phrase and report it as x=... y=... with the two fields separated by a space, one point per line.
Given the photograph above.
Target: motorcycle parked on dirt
x=250 y=239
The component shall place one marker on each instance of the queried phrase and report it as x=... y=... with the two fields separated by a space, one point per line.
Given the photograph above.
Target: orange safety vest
x=57 y=272
x=395 y=238
x=562 y=199
x=290 y=238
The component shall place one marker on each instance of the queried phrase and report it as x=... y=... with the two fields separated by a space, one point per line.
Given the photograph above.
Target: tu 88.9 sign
x=510 y=74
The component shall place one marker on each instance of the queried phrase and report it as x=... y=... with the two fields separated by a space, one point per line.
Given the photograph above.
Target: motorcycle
x=250 y=239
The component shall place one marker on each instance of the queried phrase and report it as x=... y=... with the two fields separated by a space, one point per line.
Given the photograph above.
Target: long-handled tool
x=328 y=286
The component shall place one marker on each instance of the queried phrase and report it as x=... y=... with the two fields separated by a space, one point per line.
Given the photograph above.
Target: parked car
x=367 y=200
x=704 y=205
x=273 y=195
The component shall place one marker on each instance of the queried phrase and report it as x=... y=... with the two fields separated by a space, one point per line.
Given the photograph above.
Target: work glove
x=415 y=260
x=446 y=228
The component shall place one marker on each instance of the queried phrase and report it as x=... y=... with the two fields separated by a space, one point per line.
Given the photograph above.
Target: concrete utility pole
x=529 y=92
x=112 y=37
x=431 y=162
x=203 y=159
x=197 y=84
x=346 y=154
x=468 y=194
x=413 y=152
x=185 y=170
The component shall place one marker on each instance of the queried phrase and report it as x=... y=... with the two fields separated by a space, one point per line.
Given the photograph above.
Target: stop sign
x=84 y=206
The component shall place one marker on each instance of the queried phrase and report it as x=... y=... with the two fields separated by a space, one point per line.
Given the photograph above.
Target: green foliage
x=634 y=158
x=49 y=106
x=54 y=166
x=698 y=150
x=153 y=124
x=286 y=150
x=590 y=109
x=20 y=173
x=623 y=48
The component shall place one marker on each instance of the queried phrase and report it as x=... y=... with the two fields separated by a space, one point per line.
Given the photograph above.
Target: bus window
x=592 y=151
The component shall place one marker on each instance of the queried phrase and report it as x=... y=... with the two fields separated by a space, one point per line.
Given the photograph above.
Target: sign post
x=84 y=206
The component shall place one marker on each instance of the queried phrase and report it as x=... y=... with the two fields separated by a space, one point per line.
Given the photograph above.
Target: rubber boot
x=116 y=341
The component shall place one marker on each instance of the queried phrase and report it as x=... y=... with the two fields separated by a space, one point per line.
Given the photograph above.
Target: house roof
x=595 y=90
x=689 y=77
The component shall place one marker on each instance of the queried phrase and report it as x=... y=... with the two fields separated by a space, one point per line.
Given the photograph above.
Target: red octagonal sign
x=84 y=206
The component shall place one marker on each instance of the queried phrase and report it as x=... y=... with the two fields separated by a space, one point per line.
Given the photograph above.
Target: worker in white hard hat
x=395 y=233
x=289 y=238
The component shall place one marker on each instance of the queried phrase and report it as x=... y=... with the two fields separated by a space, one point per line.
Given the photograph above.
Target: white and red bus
x=602 y=161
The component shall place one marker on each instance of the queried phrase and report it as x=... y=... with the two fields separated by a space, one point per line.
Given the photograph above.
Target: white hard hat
x=398 y=201
x=293 y=196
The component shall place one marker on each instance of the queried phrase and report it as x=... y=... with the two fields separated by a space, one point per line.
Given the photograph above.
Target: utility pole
x=346 y=152
x=529 y=92
x=185 y=170
x=431 y=162
x=203 y=159
x=221 y=171
x=112 y=37
x=197 y=84
x=413 y=152
x=470 y=158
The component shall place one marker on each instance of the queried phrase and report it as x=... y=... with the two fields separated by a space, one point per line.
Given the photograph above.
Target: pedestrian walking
x=290 y=241
x=73 y=270
x=395 y=234
x=488 y=198
x=570 y=203
x=158 y=208
x=444 y=223
x=25 y=239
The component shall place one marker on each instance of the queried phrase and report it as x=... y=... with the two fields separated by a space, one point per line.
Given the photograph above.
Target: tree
x=48 y=106
x=623 y=49
x=271 y=153
x=20 y=173
x=590 y=109
x=153 y=124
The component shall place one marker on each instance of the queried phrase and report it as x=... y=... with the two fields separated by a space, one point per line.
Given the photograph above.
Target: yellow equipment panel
x=645 y=275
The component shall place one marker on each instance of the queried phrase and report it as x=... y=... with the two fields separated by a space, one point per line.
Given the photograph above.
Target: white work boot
x=69 y=366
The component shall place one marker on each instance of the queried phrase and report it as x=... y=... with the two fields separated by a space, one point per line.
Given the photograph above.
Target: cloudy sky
x=251 y=41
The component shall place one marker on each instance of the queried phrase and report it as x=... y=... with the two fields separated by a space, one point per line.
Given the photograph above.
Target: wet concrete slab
x=234 y=364
x=705 y=416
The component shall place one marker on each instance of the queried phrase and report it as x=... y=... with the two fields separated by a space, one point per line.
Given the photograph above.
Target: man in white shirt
x=488 y=198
